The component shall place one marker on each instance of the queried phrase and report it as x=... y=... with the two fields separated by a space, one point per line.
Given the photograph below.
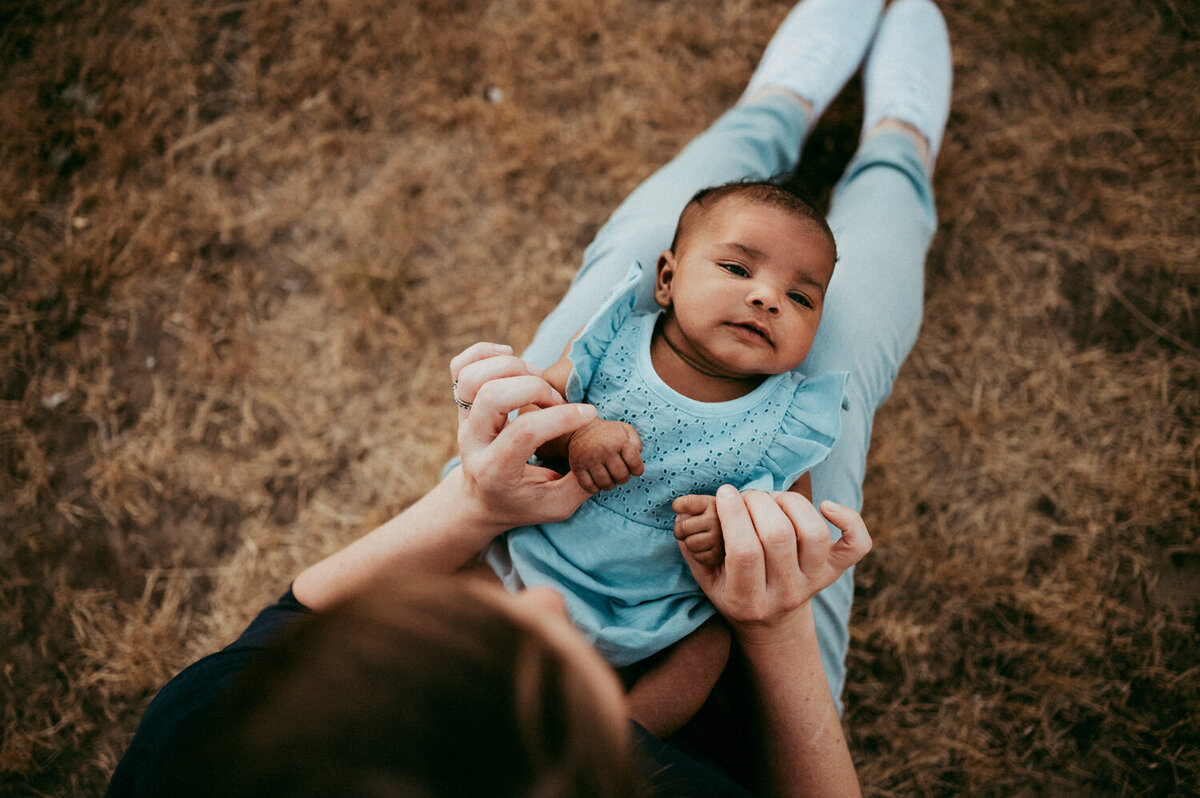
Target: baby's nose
x=764 y=300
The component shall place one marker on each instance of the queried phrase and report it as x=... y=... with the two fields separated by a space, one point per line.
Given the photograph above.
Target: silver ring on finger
x=463 y=405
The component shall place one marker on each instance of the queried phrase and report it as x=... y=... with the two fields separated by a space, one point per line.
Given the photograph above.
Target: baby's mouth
x=753 y=328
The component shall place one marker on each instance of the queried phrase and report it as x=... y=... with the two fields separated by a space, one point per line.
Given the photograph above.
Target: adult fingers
x=560 y=497
x=777 y=536
x=493 y=403
x=472 y=376
x=744 y=568
x=704 y=573
x=812 y=536
x=475 y=352
x=488 y=434
x=855 y=541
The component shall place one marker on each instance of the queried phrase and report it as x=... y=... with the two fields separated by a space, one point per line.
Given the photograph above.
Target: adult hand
x=495 y=451
x=778 y=555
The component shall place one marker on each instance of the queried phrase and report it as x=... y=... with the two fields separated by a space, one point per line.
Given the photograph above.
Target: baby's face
x=746 y=286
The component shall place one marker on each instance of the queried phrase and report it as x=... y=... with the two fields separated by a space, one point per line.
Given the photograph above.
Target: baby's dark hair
x=761 y=192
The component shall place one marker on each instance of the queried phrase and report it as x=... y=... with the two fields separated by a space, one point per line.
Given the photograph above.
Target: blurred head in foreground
x=438 y=687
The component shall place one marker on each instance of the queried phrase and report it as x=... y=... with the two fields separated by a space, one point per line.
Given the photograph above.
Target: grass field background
x=241 y=239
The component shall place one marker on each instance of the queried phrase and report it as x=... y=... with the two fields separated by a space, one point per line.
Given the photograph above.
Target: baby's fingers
x=599 y=476
x=585 y=480
x=631 y=450
x=703 y=541
x=631 y=454
x=688 y=525
x=617 y=468
x=692 y=504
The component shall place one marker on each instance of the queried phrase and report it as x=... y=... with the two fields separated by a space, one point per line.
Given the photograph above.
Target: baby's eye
x=800 y=299
x=734 y=268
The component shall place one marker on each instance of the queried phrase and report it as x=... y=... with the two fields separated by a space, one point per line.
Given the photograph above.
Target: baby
x=696 y=394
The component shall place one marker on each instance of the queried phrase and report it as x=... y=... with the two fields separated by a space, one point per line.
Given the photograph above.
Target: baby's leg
x=674 y=687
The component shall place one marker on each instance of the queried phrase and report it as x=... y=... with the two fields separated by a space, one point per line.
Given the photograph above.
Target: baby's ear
x=662 y=281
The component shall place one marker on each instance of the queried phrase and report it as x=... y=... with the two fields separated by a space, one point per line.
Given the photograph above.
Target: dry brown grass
x=239 y=242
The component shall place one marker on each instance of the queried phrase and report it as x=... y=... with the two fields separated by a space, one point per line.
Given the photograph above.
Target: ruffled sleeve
x=806 y=435
x=590 y=345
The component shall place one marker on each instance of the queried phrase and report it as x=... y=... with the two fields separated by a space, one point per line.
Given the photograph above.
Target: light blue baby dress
x=616 y=560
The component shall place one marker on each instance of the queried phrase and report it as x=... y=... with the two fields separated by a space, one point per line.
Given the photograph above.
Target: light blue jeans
x=883 y=218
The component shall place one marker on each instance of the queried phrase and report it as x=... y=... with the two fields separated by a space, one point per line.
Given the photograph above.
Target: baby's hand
x=605 y=454
x=697 y=525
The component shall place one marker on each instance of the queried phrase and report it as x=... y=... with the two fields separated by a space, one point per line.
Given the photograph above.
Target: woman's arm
x=493 y=490
x=439 y=533
x=778 y=555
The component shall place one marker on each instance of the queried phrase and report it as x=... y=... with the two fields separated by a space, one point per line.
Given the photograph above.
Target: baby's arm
x=697 y=525
x=803 y=486
x=602 y=454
